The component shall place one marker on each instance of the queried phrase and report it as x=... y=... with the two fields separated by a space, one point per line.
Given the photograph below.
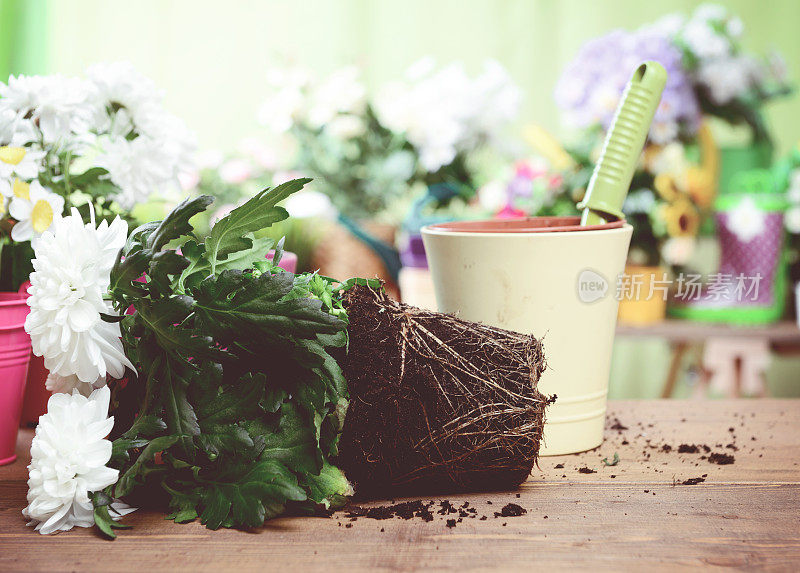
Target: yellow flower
x=700 y=183
x=21 y=189
x=681 y=218
x=666 y=187
x=12 y=155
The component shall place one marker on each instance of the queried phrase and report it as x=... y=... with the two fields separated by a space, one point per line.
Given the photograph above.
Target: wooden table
x=635 y=515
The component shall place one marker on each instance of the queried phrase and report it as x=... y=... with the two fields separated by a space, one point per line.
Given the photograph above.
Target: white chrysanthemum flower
x=56 y=383
x=35 y=208
x=125 y=94
x=71 y=275
x=69 y=454
x=62 y=106
x=139 y=167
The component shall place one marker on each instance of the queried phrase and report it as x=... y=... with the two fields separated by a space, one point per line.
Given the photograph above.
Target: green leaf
x=162 y=265
x=228 y=234
x=176 y=224
x=146 y=425
x=120 y=447
x=294 y=444
x=233 y=403
x=234 y=305
x=217 y=506
x=613 y=462
x=218 y=438
x=127 y=482
x=179 y=413
x=329 y=488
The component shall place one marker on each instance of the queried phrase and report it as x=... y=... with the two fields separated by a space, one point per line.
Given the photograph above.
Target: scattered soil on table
x=617 y=425
x=693 y=481
x=437 y=403
x=721 y=459
x=586 y=470
x=427 y=511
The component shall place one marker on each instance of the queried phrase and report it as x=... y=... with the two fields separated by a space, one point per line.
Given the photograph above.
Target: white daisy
x=69 y=454
x=35 y=208
x=71 y=274
x=18 y=161
x=14 y=128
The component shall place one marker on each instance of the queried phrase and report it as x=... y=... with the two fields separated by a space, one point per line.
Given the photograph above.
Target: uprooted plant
x=230 y=386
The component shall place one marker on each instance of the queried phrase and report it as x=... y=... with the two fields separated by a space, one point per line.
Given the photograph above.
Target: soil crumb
x=721 y=459
x=511 y=510
x=587 y=470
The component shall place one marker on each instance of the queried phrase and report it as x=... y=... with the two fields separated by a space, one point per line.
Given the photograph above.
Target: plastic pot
x=554 y=279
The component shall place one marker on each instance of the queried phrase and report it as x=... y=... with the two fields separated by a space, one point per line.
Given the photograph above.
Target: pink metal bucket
x=288 y=261
x=15 y=352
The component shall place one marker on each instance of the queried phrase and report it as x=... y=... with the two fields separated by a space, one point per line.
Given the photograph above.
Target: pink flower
x=509 y=212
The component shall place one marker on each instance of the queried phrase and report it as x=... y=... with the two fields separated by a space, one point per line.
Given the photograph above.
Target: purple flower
x=590 y=88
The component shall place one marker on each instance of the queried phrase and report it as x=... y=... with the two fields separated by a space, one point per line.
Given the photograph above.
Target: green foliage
x=613 y=462
x=240 y=403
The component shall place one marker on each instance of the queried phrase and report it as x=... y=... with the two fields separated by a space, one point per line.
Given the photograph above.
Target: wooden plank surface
x=783 y=332
x=635 y=515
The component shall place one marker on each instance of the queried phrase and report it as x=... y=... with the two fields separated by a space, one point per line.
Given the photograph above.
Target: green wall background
x=210 y=58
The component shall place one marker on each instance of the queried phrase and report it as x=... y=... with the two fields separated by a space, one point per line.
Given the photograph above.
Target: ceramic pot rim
x=524 y=226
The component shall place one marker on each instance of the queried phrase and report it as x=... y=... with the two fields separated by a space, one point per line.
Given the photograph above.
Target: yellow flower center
x=12 y=155
x=22 y=190
x=41 y=216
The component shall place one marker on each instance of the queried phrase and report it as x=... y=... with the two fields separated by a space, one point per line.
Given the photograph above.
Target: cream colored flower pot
x=550 y=278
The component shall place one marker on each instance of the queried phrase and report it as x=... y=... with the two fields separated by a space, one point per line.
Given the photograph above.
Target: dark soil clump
x=693 y=481
x=511 y=510
x=721 y=459
x=437 y=403
x=586 y=470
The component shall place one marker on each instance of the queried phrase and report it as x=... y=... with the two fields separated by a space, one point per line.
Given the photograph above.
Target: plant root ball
x=437 y=403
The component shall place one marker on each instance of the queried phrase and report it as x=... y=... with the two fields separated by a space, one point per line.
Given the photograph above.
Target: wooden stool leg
x=678 y=352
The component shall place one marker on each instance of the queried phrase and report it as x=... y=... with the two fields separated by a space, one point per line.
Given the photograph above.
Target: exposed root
x=453 y=403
